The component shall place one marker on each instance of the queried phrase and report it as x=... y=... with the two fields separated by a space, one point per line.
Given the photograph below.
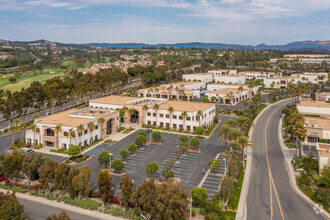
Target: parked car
x=26 y=151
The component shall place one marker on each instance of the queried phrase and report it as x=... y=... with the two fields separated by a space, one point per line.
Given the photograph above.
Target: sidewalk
x=288 y=157
x=61 y=205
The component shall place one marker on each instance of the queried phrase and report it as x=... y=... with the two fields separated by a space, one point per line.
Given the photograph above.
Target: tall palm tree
x=100 y=121
x=231 y=122
x=224 y=133
x=17 y=123
x=170 y=91
x=23 y=127
x=34 y=128
x=170 y=110
x=58 y=130
x=145 y=109
x=301 y=133
x=156 y=107
x=91 y=126
x=199 y=114
x=243 y=142
x=243 y=122
x=80 y=130
x=71 y=134
x=13 y=129
x=234 y=133
x=184 y=116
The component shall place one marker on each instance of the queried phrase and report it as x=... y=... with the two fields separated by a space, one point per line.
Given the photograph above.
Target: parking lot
x=58 y=158
x=98 y=149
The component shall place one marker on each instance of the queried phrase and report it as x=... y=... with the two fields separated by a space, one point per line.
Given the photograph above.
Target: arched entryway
x=109 y=126
x=135 y=117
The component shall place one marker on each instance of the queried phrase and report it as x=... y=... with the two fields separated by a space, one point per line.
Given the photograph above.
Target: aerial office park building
x=75 y=123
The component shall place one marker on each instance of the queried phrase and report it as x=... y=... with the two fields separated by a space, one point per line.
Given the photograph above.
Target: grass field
x=25 y=80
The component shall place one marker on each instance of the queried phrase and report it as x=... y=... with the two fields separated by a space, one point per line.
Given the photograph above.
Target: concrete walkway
x=288 y=157
x=61 y=205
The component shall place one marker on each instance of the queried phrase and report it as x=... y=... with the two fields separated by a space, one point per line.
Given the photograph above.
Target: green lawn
x=25 y=80
x=233 y=203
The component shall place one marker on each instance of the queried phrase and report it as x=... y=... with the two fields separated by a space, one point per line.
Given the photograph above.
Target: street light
x=190 y=199
x=225 y=165
x=110 y=155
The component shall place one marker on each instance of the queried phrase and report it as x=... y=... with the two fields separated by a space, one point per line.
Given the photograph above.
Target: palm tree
x=170 y=110
x=234 y=133
x=71 y=134
x=199 y=114
x=100 y=121
x=301 y=133
x=34 y=128
x=91 y=126
x=243 y=142
x=243 y=122
x=13 y=129
x=224 y=132
x=23 y=127
x=170 y=91
x=184 y=116
x=57 y=129
x=145 y=109
x=17 y=123
x=156 y=107
x=80 y=129
x=231 y=122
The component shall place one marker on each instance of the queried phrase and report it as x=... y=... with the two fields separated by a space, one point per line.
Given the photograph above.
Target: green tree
x=61 y=216
x=214 y=164
x=195 y=142
x=128 y=189
x=61 y=177
x=147 y=198
x=104 y=158
x=140 y=140
x=199 y=195
x=30 y=165
x=157 y=135
x=199 y=130
x=118 y=165
x=74 y=150
x=80 y=183
x=184 y=138
x=172 y=202
x=168 y=173
x=12 y=165
x=170 y=162
x=132 y=148
x=47 y=175
x=124 y=153
x=91 y=126
x=152 y=168
x=10 y=208
x=104 y=185
x=143 y=133
x=227 y=188
x=243 y=142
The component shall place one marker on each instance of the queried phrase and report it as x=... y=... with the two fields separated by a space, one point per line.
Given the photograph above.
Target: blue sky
x=166 y=21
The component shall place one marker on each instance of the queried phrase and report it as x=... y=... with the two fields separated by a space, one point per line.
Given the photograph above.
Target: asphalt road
x=39 y=211
x=263 y=201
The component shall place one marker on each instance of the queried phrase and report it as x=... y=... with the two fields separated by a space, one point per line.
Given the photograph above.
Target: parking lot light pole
x=225 y=165
x=110 y=155
x=190 y=208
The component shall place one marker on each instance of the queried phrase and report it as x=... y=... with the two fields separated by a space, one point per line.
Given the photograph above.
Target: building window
x=149 y=114
x=161 y=124
x=96 y=127
x=180 y=117
x=188 y=118
x=85 y=132
x=167 y=125
x=174 y=117
x=161 y=115
x=154 y=114
x=154 y=123
x=49 y=132
x=64 y=146
x=149 y=123
x=188 y=127
x=66 y=134
x=174 y=126
x=167 y=116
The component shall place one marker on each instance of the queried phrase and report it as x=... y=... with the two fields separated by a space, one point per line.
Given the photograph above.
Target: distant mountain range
x=313 y=46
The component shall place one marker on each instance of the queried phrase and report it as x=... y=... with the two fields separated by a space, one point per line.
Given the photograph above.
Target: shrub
x=184 y=138
x=143 y=133
x=157 y=135
x=32 y=192
x=85 y=203
x=114 y=199
x=45 y=160
x=152 y=168
x=132 y=148
x=140 y=140
x=117 y=165
x=74 y=150
x=36 y=187
x=199 y=195
x=195 y=142
x=104 y=157
x=199 y=130
x=3 y=178
x=124 y=153
x=12 y=79
x=168 y=173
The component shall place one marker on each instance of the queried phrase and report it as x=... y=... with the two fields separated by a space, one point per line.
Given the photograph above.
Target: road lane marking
x=271 y=181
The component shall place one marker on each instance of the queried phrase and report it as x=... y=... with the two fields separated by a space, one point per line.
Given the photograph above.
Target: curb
x=63 y=206
x=292 y=178
x=241 y=213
